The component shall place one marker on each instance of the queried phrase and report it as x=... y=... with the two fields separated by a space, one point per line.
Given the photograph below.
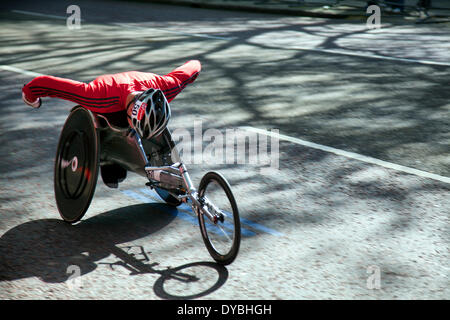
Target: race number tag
x=138 y=110
x=141 y=111
x=135 y=109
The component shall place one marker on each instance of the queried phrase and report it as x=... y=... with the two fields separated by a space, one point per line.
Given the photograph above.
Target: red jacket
x=108 y=93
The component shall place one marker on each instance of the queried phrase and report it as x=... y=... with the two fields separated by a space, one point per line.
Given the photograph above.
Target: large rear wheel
x=76 y=165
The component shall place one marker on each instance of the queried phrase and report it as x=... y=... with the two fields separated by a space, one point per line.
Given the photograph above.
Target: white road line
x=21 y=71
x=198 y=35
x=351 y=155
x=373 y=56
x=37 y=14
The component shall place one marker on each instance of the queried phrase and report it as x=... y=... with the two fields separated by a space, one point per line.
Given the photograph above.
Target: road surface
x=354 y=206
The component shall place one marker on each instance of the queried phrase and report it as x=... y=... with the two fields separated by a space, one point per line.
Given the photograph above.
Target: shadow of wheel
x=199 y=277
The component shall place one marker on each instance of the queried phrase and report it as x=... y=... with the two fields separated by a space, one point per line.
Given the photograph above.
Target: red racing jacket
x=108 y=93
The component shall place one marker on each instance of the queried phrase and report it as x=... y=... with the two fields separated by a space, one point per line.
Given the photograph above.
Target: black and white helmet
x=150 y=113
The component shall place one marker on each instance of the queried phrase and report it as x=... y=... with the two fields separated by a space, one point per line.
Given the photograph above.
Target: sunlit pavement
x=322 y=226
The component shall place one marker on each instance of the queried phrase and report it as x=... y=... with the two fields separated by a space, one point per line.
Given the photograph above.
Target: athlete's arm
x=91 y=96
x=180 y=77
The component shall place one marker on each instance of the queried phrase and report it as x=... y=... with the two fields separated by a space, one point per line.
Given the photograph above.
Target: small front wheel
x=222 y=238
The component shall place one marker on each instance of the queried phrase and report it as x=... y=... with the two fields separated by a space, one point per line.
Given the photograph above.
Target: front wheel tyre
x=222 y=239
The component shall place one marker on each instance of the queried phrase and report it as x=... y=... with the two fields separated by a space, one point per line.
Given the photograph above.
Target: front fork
x=201 y=204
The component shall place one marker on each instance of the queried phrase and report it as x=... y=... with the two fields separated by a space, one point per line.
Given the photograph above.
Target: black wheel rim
x=74 y=172
x=76 y=165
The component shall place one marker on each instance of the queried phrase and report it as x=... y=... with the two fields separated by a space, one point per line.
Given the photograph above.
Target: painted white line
x=351 y=155
x=37 y=14
x=198 y=35
x=125 y=25
x=374 y=56
x=21 y=71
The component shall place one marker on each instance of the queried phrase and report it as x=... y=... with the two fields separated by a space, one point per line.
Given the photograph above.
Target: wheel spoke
x=224 y=232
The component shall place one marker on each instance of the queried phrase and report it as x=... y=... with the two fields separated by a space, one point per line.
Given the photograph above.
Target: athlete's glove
x=36 y=104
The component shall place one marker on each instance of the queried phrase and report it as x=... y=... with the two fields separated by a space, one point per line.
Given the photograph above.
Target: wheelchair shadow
x=46 y=248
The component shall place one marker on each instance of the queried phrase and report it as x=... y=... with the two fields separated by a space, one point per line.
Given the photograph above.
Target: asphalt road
x=362 y=213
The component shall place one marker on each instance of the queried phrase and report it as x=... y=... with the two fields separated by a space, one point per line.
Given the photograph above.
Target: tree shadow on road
x=46 y=248
x=377 y=108
x=394 y=111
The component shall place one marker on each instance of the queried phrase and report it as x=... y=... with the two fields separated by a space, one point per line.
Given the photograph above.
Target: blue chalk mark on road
x=180 y=212
x=260 y=227
x=184 y=212
x=186 y=209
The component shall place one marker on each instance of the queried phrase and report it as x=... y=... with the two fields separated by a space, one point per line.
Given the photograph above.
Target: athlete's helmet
x=150 y=113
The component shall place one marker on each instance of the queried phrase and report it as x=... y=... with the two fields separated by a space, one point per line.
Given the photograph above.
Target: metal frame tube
x=137 y=139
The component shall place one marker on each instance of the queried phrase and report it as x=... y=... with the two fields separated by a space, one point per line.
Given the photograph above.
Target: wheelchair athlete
x=138 y=99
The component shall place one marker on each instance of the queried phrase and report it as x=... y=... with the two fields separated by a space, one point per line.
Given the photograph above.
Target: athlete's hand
x=36 y=104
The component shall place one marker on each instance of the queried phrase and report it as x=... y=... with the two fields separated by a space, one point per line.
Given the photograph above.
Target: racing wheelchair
x=91 y=145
